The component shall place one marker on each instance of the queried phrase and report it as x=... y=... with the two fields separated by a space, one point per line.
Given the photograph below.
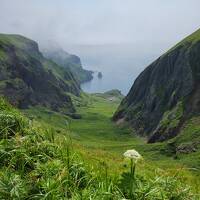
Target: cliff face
x=166 y=94
x=27 y=78
x=70 y=62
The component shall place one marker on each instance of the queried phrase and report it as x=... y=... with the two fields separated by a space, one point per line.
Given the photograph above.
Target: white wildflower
x=132 y=154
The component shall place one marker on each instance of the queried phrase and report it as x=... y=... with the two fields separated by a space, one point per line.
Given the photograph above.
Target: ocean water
x=112 y=79
x=120 y=65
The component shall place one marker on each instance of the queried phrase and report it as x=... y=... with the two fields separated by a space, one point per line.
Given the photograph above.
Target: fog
x=100 y=22
x=108 y=35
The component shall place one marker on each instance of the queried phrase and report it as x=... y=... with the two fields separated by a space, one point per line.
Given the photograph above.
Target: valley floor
x=100 y=140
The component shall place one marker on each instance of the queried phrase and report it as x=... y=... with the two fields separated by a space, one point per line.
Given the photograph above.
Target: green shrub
x=10 y=124
x=12 y=187
x=11 y=121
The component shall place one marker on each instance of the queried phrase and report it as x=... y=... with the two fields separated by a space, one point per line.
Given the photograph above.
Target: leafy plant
x=12 y=186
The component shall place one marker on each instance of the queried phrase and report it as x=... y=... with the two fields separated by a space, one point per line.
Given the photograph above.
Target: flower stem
x=133 y=165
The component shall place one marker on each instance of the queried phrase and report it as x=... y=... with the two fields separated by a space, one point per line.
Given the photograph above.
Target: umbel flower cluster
x=132 y=154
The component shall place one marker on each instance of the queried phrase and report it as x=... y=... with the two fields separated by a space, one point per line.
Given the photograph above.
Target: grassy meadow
x=98 y=140
x=49 y=156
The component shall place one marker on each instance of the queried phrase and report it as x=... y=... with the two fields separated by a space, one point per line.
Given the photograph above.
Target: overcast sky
x=101 y=21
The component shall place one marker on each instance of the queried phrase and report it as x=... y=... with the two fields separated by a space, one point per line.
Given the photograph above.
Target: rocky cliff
x=166 y=94
x=70 y=62
x=27 y=78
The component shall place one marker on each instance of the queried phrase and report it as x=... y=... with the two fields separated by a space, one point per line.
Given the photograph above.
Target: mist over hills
x=54 y=52
x=123 y=59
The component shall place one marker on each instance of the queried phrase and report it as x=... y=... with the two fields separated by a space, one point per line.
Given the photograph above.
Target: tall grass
x=35 y=165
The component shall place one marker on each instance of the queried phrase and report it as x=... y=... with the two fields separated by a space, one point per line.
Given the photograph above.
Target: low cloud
x=101 y=22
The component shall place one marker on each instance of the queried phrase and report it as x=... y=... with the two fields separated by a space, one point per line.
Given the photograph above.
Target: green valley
x=58 y=142
x=99 y=140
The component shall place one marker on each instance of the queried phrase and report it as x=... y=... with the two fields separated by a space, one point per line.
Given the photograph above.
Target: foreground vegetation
x=50 y=156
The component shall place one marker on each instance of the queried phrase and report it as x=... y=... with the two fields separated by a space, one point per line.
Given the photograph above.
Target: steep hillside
x=166 y=95
x=27 y=78
x=69 y=61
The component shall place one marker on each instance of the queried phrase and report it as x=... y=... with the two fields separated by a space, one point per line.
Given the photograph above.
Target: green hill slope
x=165 y=96
x=27 y=78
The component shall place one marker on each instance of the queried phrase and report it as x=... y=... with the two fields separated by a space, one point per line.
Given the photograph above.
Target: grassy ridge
x=193 y=38
x=190 y=40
